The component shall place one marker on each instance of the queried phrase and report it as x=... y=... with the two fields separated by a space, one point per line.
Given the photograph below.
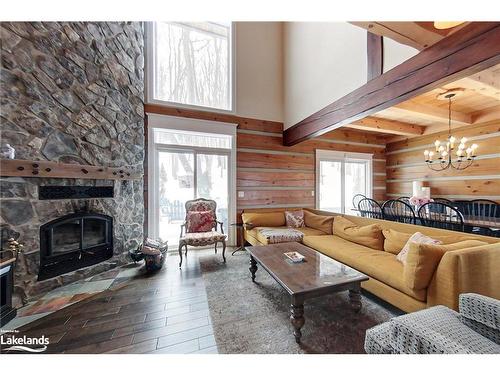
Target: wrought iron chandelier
x=448 y=154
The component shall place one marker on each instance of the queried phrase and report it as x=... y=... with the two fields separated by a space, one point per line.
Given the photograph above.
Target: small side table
x=240 y=226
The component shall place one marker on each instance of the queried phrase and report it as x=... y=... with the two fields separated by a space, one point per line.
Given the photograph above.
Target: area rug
x=254 y=317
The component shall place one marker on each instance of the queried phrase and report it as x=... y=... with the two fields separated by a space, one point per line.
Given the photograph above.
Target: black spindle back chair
x=484 y=209
x=400 y=211
x=404 y=199
x=368 y=207
x=462 y=206
x=441 y=215
x=443 y=200
x=356 y=199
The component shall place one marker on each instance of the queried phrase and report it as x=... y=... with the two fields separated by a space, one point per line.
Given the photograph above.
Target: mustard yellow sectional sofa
x=464 y=263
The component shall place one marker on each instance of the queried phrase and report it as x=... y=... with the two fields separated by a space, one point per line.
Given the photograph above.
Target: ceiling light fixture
x=443 y=25
x=464 y=155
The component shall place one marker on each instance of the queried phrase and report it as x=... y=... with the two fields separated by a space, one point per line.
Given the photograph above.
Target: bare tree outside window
x=192 y=63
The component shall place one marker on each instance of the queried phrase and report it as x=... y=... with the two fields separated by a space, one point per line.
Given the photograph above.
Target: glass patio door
x=188 y=174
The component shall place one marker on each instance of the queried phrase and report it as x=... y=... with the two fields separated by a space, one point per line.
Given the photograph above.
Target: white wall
x=259 y=70
x=322 y=63
x=395 y=53
x=325 y=61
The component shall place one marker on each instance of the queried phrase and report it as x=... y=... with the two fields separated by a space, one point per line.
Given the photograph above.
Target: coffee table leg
x=297 y=319
x=253 y=267
x=355 y=299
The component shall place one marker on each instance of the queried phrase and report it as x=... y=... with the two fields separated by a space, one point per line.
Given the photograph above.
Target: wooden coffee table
x=318 y=275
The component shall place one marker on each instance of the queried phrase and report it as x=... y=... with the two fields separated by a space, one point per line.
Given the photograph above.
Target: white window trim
x=156 y=121
x=328 y=155
x=150 y=68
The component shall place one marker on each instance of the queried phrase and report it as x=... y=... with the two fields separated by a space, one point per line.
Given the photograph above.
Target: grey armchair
x=475 y=329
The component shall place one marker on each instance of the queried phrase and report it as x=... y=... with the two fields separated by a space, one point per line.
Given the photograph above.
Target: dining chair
x=356 y=199
x=404 y=199
x=368 y=207
x=482 y=211
x=443 y=200
x=398 y=210
x=461 y=205
x=441 y=215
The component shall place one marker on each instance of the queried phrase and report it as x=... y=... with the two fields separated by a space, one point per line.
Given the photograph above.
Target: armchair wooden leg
x=224 y=251
x=180 y=254
x=186 y=252
x=216 y=248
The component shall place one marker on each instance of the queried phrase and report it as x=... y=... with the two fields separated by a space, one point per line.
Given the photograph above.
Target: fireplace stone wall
x=71 y=92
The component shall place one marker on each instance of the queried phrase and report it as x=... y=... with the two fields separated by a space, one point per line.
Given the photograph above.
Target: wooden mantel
x=50 y=169
x=471 y=49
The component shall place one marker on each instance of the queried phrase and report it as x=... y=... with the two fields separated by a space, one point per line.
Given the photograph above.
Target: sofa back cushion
x=264 y=219
x=395 y=240
x=369 y=235
x=422 y=260
x=319 y=222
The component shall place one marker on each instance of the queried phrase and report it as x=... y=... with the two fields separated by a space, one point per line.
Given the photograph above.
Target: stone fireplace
x=72 y=92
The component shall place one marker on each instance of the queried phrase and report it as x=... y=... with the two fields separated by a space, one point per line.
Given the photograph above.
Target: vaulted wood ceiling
x=478 y=102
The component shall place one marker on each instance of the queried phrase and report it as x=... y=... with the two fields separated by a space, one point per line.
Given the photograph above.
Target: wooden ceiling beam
x=470 y=50
x=431 y=113
x=381 y=125
x=375 y=55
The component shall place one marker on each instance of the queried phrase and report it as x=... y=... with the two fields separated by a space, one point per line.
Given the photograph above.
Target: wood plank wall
x=405 y=163
x=271 y=175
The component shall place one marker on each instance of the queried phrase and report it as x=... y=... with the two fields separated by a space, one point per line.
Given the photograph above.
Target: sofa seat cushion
x=257 y=233
x=379 y=265
x=202 y=238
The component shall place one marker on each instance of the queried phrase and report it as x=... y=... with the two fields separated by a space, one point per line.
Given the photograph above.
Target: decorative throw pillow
x=423 y=259
x=321 y=222
x=418 y=238
x=368 y=235
x=294 y=219
x=200 y=221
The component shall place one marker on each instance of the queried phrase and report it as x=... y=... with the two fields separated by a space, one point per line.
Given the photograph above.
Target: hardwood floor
x=163 y=313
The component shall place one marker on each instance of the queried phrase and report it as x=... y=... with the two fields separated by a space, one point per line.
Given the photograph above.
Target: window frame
x=343 y=157
x=150 y=30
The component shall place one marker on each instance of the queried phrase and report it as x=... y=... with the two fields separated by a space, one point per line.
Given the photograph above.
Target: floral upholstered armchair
x=200 y=227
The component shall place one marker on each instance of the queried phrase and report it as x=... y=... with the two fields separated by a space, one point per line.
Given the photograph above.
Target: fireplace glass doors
x=74 y=241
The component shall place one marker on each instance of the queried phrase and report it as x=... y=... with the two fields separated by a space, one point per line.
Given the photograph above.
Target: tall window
x=340 y=176
x=190 y=63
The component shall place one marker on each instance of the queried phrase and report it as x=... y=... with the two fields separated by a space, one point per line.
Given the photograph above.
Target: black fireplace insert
x=74 y=241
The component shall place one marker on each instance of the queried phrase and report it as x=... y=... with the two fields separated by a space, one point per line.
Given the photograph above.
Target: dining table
x=472 y=220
